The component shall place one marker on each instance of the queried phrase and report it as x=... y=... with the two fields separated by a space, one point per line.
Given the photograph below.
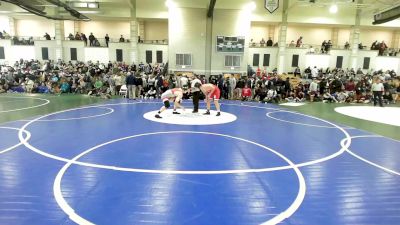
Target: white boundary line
x=278 y=218
x=303 y=124
x=345 y=143
x=28 y=135
x=367 y=161
x=31 y=107
x=77 y=118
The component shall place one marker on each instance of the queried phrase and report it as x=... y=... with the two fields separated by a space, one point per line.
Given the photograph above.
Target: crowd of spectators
x=150 y=81
x=92 y=78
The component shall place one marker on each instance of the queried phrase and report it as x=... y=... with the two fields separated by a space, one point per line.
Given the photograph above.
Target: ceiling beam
x=211 y=8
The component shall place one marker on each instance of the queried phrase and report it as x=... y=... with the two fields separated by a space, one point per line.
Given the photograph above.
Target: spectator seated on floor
x=272 y=96
x=246 y=93
x=65 y=87
x=151 y=94
x=327 y=97
x=2 y=88
x=18 y=89
x=342 y=96
x=43 y=89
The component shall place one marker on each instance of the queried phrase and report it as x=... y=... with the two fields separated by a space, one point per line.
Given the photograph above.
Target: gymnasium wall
x=237 y=25
x=311 y=35
x=343 y=36
x=187 y=35
x=114 y=29
x=156 y=30
x=80 y=50
x=35 y=28
x=4 y=24
x=369 y=35
x=142 y=48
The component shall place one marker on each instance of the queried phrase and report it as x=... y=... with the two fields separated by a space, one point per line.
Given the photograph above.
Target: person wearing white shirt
x=313 y=89
x=377 y=90
x=314 y=72
x=184 y=82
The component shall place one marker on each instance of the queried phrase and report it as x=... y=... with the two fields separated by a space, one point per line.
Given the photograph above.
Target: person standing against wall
x=107 y=39
x=91 y=39
x=377 y=90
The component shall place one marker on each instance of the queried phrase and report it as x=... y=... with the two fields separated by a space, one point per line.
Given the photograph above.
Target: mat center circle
x=188 y=118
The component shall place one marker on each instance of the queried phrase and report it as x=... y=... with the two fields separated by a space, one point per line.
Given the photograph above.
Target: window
x=159 y=57
x=183 y=59
x=149 y=56
x=366 y=63
x=256 y=59
x=119 y=55
x=266 y=60
x=45 y=53
x=74 y=55
x=339 y=62
x=2 y=56
x=295 y=60
x=232 y=61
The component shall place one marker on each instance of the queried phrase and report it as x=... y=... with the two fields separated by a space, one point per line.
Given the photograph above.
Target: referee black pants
x=378 y=96
x=196 y=96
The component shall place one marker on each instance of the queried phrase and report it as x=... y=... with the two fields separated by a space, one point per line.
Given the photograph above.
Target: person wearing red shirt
x=246 y=93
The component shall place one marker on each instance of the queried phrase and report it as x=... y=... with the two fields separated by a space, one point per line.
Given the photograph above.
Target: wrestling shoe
x=175 y=112
x=206 y=113
x=218 y=114
x=158 y=116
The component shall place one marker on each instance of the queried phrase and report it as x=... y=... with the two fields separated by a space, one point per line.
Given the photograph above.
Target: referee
x=195 y=89
x=377 y=90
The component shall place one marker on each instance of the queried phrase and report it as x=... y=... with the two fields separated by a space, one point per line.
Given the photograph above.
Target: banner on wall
x=271 y=5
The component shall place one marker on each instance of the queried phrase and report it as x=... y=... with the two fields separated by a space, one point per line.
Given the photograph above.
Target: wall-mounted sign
x=271 y=5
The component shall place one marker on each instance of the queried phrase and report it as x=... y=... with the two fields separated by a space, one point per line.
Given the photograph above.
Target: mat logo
x=271 y=5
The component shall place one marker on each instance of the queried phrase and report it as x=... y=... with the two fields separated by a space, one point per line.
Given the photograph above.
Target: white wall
x=343 y=36
x=14 y=53
x=272 y=59
x=311 y=35
x=79 y=45
x=366 y=53
x=114 y=29
x=22 y=52
x=4 y=24
x=187 y=35
x=95 y=54
x=346 y=58
x=318 y=60
x=51 y=45
x=156 y=30
x=315 y=14
x=289 y=55
x=142 y=48
x=238 y=24
x=36 y=27
x=259 y=31
x=387 y=63
x=68 y=27
x=112 y=52
x=368 y=36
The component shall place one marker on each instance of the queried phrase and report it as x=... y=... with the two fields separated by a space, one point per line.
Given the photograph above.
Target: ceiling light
x=170 y=4
x=251 y=6
x=93 y=5
x=333 y=9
